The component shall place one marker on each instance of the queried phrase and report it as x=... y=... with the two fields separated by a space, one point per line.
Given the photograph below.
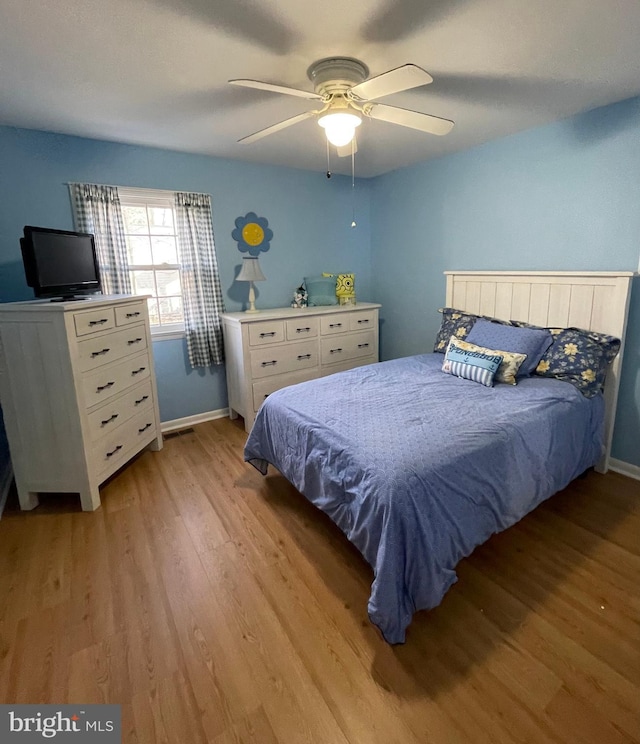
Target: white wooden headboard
x=595 y=301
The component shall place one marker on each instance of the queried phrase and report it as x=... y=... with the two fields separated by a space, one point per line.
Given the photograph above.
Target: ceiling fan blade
x=394 y=81
x=413 y=119
x=276 y=127
x=344 y=151
x=277 y=89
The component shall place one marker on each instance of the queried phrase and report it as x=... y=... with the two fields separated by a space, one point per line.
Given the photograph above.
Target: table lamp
x=251 y=272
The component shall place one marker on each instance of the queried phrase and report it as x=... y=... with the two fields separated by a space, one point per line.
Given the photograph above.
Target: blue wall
x=565 y=196
x=310 y=216
x=560 y=197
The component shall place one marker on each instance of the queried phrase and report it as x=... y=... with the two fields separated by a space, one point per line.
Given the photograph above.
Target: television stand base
x=70 y=298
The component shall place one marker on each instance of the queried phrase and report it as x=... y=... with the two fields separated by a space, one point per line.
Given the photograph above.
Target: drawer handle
x=137 y=371
x=133 y=315
x=98 y=322
x=269 y=364
x=98 y=353
x=141 y=400
x=334 y=351
x=303 y=330
x=304 y=356
x=362 y=346
x=264 y=335
x=134 y=341
x=144 y=428
x=111 y=418
x=335 y=325
x=105 y=386
x=113 y=451
x=364 y=321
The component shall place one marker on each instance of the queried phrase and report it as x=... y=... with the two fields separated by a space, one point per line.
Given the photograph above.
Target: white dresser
x=271 y=349
x=78 y=392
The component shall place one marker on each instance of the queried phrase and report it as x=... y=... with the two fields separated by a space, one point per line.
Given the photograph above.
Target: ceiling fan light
x=340 y=128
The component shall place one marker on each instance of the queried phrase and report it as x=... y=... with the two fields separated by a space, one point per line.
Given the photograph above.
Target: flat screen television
x=60 y=263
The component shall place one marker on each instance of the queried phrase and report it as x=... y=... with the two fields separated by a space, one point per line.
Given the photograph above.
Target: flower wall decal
x=252 y=234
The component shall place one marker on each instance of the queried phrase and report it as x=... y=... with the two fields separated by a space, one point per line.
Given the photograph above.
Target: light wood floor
x=218 y=606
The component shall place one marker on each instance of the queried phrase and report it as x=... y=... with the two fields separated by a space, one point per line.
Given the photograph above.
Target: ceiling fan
x=342 y=87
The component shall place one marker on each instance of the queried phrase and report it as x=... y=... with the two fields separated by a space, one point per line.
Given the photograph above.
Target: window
x=137 y=233
x=150 y=233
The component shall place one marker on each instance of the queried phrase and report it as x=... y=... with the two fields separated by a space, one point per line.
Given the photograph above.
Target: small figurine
x=299 y=297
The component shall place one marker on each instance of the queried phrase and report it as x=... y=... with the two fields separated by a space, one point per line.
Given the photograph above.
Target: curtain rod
x=136 y=188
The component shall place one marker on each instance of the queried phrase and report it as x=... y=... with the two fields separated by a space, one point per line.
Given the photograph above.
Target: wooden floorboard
x=219 y=606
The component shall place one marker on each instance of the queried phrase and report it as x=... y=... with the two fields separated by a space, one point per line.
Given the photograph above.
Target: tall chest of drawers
x=78 y=392
x=271 y=349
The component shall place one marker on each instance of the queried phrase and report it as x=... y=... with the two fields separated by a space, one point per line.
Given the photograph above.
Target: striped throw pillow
x=470 y=364
x=511 y=362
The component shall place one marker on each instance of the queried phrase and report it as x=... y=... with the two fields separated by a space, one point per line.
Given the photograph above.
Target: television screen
x=60 y=263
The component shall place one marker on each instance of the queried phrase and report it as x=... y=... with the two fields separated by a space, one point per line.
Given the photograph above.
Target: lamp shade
x=250 y=271
x=340 y=127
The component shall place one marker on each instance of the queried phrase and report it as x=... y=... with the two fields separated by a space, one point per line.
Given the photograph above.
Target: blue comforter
x=418 y=467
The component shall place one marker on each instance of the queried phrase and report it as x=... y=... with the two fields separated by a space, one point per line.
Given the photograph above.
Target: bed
x=418 y=467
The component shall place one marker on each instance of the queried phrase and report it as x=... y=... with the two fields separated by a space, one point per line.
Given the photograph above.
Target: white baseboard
x=198 y=418
x=625 y=468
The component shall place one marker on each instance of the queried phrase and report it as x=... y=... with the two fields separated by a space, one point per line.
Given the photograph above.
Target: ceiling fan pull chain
x=328 y=161
x=353 y=183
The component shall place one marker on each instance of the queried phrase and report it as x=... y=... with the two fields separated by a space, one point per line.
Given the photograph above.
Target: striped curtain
x=96 y=210
x=202 y=293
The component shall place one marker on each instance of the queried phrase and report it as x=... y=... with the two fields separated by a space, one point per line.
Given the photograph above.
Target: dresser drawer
x=94 y=320
x=133 y=313
x=94 y=352
x=264 y=388
x=352 y=346
x=269 y=332
x=335 y=323
x=287 y=346
x=114 y=449
x=301 y=328
x=362 y=321
x=109 y=417
x=273 y=361
x=109 y=381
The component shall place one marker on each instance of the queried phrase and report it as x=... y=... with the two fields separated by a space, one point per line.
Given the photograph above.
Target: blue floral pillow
x=579 y=357
x=454 y=323
x=458 y=323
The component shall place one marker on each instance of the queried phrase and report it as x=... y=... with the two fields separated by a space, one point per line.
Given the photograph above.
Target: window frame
x=135 y=197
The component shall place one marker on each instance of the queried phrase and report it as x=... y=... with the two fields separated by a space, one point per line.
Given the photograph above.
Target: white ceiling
x=154 y=72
